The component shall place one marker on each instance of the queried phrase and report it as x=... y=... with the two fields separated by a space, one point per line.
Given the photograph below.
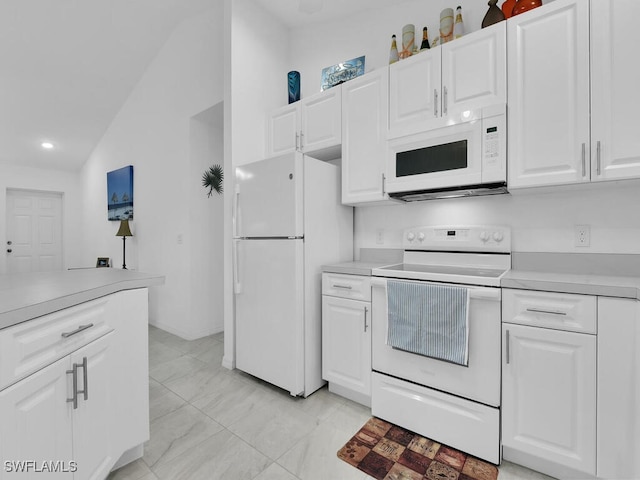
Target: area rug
x=388 y=452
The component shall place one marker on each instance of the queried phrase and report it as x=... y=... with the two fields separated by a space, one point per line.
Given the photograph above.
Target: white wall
x=206 y=223
x=542 y=220
x=59 y=181
x=152 y=132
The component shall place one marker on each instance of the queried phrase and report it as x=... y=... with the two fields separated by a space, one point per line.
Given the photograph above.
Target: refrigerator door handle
x=236 y=201
x=237 y=286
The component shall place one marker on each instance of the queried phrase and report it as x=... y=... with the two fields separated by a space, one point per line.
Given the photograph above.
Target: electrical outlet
x=582 y=235
x=380 y=236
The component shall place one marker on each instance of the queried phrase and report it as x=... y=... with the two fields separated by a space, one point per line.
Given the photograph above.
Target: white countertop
x=609 y=275
x=31 y=295
x=585 y=284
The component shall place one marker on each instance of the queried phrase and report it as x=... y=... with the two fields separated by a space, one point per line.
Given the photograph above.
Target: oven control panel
x=477 y=238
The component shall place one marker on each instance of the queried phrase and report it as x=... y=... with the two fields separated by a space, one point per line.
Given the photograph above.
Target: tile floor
x=211 y=423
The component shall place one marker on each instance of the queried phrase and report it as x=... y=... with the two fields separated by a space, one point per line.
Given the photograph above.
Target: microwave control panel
x=494 y=148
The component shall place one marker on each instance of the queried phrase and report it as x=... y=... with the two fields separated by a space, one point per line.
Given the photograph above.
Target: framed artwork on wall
x=120 y=194
x=102 y=262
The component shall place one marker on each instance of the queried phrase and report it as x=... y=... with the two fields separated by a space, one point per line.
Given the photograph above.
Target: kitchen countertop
x=609 y=275
x=30 y=295
x=370 y=258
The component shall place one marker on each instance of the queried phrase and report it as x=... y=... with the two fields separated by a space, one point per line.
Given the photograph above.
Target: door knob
x=9 y=250
x=9 y=242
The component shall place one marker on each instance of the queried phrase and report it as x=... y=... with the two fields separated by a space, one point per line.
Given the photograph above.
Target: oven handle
x=482 y=293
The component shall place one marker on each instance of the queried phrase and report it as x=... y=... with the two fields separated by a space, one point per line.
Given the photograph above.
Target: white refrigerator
x=288 y=222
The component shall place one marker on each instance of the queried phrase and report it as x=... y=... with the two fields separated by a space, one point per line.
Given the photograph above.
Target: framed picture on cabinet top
x=102 y=262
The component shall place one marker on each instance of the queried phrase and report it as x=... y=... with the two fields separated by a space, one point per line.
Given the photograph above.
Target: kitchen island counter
x=29 y=295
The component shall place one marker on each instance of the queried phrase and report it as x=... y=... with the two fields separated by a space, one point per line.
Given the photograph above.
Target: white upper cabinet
x=364 y=124
x=615 y=92
x=548 y=103
x=414 y=93
x=312 y=126
x=555 y=53
x=474 y=71
x=432 y=88
x=322 y=124
x=283 y=130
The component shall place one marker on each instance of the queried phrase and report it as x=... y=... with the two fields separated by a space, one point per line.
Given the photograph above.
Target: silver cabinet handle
x=85 y=374
x=74 y=373
x=383 y=183
x=301 y=141
x=297 y=141
x=444 y=100
x=507 y=347
x=77 y=330
x=598 y=159
x=435 y=102
x=551 y=312
x=366 y=310
x=584 y=160
x=348 y=287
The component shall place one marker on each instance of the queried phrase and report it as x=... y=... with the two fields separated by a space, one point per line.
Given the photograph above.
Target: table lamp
x=124 y=231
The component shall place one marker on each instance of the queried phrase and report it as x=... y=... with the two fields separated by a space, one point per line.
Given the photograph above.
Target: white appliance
x=288 y=222
x=453 y=404
x=467 y=157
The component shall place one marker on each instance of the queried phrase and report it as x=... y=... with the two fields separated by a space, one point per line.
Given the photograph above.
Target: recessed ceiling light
x=47 y=145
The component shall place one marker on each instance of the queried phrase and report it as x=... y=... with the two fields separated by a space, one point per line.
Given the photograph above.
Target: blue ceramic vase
x=294 y=86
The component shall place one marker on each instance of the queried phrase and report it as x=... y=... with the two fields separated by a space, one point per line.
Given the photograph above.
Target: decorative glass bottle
x=293 y=81
x=493 y=15
x=507 y=8
x=393 y=54
x=522 y=6
x=425 y=40
x=458 y=26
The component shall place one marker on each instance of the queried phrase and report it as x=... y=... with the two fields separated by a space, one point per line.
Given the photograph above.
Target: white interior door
x=34 y=231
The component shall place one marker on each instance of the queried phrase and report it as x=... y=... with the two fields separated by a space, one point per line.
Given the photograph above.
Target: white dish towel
x=429 y=319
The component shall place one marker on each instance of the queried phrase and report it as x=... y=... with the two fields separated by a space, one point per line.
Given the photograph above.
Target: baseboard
x=187 y=335
x=357 y=397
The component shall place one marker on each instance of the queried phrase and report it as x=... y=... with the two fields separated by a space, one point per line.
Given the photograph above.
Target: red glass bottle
x=522 y=6
x=507 y=8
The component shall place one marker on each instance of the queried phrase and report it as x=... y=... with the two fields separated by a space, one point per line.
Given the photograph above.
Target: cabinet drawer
x=32 y=345
x=559 y=311
x=347 y=286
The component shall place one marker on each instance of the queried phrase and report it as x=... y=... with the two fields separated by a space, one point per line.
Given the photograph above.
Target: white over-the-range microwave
x=463 y=158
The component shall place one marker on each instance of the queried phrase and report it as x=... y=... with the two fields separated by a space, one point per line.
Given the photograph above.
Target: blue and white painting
x=120 y=193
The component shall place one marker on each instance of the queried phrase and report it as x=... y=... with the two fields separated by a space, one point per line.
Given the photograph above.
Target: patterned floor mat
x=388 y=452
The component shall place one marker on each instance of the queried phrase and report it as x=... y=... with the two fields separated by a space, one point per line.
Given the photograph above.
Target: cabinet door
x=364 y=134
x=474 y=71
x=322 y=124
x=548 y=95
x=414 y=93
x=615 y=95
x=346 y=343
x=36 y=421
x=283 y=129
x=93 y=420
x=549 y=397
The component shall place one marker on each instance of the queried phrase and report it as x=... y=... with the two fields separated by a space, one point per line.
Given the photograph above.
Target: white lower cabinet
x=346 y=336
x=549 y=384
x=66 y=414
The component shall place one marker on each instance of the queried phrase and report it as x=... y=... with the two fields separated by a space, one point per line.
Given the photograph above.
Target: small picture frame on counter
x=102 y=262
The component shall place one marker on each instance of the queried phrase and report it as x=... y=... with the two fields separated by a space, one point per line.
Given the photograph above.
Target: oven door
x=446 y=157
x=479 y=381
